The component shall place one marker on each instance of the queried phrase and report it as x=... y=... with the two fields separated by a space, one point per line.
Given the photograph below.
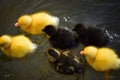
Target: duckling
x=101 y=59
x=61 y=37
x=88 y=35
x=16 y=46
x=34 y=23
x=64 y=62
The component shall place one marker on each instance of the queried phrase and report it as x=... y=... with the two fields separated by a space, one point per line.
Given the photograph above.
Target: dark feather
x=62 y=38
x=66 y=64
x=92 y=35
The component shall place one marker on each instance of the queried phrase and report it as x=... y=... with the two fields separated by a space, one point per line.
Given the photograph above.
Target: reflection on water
x=102 y=13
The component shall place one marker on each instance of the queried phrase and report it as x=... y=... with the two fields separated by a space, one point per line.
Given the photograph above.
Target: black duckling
x=61 y=37
x=92 y=35
x=65 y=63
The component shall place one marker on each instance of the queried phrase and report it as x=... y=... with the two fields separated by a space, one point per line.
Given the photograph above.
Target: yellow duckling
x=101 y=59
x=16 y=46
x=34 y=23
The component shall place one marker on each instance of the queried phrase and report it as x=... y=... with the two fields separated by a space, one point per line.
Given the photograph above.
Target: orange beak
x=82 y=52
x=17 y=24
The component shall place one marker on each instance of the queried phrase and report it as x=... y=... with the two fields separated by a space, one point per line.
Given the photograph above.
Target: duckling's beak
x=82 y=52
x=17 y=24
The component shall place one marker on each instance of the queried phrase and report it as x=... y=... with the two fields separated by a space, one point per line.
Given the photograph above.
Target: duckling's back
x=106 y=59
x=40 y=20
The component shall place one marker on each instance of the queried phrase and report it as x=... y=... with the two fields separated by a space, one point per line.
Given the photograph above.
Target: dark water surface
x=102 y=13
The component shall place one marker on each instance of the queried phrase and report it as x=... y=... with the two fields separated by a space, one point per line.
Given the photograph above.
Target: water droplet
x=6 y=74
x=66 y=18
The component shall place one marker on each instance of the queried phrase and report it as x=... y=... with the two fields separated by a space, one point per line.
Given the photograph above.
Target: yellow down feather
x=16 y=46
x=101 y=59
x=34 y=23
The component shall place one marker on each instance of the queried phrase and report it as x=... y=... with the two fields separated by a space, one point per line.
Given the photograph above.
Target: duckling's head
x=80 y=29
x=53 y=55
x=24 y=22
x=5 y=41
x=89 y=51
x=50 y=30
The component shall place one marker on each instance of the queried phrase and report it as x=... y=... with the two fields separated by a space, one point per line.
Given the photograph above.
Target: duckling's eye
x=2 y=45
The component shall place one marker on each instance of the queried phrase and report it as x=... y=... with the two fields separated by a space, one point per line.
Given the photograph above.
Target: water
x=101 y=13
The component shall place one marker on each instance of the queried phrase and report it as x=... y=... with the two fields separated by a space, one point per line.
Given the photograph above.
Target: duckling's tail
x=34 y=46
x=56 y=20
